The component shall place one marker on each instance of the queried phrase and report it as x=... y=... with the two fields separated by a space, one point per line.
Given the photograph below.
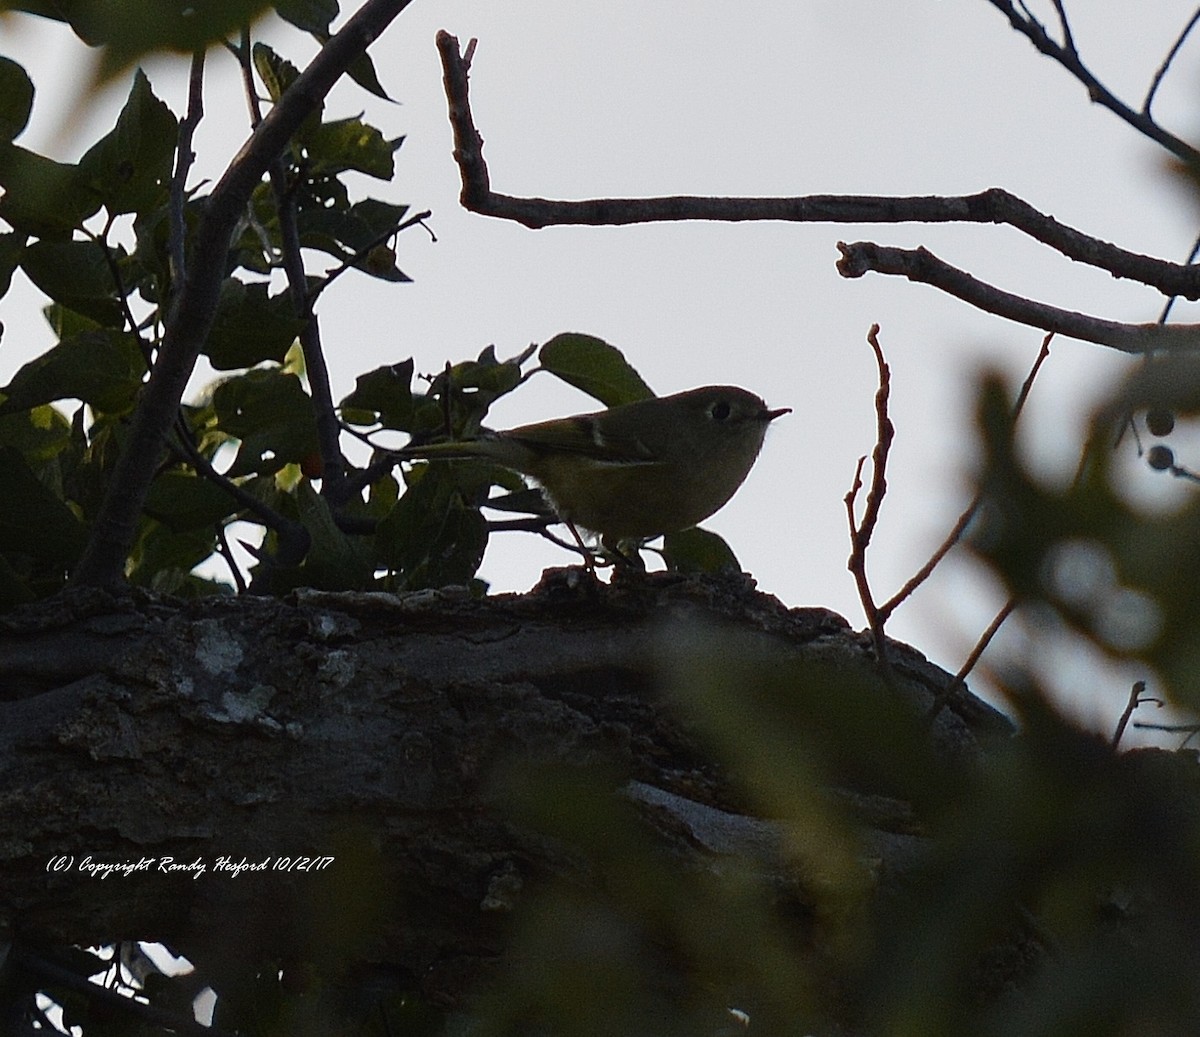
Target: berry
x=1160 y=457
x=1160 y=422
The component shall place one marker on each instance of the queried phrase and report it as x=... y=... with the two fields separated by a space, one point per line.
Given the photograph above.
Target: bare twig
x=862 y=531
x=1135 y=700
x=1195 y=251
x=922 y=265
x=1066 y=55
x=184 y=157
x=194 y=308
x=1156 y=82
x=956 y=532
x=960 y=678
x=225 y=550
x=991 y=206
x=1068 y=39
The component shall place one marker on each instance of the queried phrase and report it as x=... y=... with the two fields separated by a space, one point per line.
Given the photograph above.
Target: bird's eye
x=719 y=411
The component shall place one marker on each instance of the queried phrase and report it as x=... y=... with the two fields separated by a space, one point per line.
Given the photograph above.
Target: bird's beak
x=771 y=415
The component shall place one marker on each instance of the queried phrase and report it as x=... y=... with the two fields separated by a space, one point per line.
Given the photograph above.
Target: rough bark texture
x=367 y=728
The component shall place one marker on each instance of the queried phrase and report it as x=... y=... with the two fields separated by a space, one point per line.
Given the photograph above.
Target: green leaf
x=127 y=29
x=361 y=70
x=76 y=274
x=697 y=550
x=129 y=167
x=33 y=520
x=273 y=417
x=313 y=16
x=12 y=247
x=592 y=365
x=335 y=561
x=276 y=73
x=16 y=99
x=38 y=434
x=386 y=392
x=343 y=231
x=250 y=326
x=433 y=536
x=65 y=322
x=102 y=368
x=42 y=197
x=163 y=560
x=345 y=144
x=183 y=501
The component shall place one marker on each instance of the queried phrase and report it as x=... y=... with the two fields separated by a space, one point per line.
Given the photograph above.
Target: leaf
x=312 y=16
x=184 y=501
x=128 y=29
x=273 y=417
x=433 y=537
x=76 y=274
x=33 y=520
x=250 y=326
x=163 y=560
x=343 y=231
x=130 y=166
x=41 y=196
x=16 y=99
x=361 y=70
x=12 y=247
x=335 y=561
x=102 y=368
x=277 y=73
x=38 y=434
x=697 y=550
x=595 y=367
x=386 y=392
x=345 y=144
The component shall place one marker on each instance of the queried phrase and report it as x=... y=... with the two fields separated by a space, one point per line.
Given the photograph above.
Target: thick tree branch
x=922 y=265
x=990 y=206
x=194 y=309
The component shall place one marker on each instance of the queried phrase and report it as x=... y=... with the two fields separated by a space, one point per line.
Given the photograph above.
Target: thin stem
x=964 y=520
x=184 y=157
x=1066 y=55
x=862 y=531
x=1156 y=82
x=960 y=679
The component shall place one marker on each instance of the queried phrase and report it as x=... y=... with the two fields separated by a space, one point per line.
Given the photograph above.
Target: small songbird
x=637 y=470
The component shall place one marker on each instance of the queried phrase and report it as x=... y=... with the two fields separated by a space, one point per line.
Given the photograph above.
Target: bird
x=636 y=470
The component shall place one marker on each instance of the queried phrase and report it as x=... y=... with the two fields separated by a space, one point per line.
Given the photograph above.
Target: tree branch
x=991 y=206
x=862 y=531
x=1067 y=56
x=184 y=157
x=922 y=265
x=194 y=308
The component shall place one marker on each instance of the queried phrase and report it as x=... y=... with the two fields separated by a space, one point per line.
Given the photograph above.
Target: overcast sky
x=759 y=98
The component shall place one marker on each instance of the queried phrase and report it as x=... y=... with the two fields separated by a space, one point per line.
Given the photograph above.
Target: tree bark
x=349 y=746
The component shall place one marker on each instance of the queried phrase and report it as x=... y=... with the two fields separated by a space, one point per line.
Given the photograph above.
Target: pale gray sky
x=764 y=97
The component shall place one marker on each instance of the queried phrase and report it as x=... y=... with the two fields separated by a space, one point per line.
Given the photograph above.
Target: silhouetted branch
x=862 y=530
x=992 y=206
x=956 y=532
x=1067 y=56
x=922 y=265
x=1156 y=82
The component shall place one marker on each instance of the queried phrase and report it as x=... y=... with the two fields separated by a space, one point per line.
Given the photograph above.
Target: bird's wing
x=580 y=436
